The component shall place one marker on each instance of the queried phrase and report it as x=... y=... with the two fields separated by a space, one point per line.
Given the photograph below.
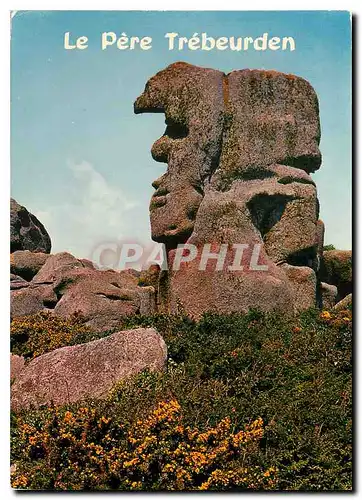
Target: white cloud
x=92 y=213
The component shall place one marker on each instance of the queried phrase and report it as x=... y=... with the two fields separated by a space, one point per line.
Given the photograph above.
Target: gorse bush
x=33 y=335
x=272 y=394
x=85 y=450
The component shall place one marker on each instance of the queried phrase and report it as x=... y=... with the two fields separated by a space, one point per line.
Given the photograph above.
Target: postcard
x=180 y=251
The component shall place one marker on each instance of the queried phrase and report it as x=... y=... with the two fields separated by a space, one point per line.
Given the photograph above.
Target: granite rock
x=74 y=373
x=26 y=231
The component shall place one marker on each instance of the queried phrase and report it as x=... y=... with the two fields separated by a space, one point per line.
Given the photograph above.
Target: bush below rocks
x=37 y=334
x=336 y=269
x=294 y=374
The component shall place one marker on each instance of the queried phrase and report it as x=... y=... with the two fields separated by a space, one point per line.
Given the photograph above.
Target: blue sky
x=81 y=159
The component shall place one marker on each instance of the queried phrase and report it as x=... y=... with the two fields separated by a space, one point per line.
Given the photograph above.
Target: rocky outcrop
x=240 y=148
x=65 y=285
x=27 y=264
x=237 y=192
x=90 y=370
x=26 y=231
x=31 y=300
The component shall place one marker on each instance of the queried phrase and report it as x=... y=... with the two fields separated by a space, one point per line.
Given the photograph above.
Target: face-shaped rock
x=192 y=100
x=251 y=140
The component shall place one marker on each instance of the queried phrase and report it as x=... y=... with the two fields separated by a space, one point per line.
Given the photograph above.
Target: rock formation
x=65 y=285
x=239 y=148
x=26 y=231
x=73 y=373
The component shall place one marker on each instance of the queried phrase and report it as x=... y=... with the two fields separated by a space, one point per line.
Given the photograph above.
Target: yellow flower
x=130 y=463
x=68 y=417
x=32 y=440
x=20 y=482
x=326 y=315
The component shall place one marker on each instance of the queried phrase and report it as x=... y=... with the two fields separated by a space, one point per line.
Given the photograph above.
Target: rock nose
x=139 y=105
x=146 y=103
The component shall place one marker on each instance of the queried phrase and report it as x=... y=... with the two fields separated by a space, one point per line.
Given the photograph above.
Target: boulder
x=274 y=118
x=328 y=295
x=100 y=300
x=31 y=300
x=26 y=231
x=27 y=264
x=17 y=282
x=344 y=303
x=336 y=269
x=17 y=364
x=41 y=292
x=67 y=285
x=57 y=266
x=74 y=373
x=103 y=297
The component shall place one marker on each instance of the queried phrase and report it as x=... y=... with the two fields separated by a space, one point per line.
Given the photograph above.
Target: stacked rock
x=240 y=149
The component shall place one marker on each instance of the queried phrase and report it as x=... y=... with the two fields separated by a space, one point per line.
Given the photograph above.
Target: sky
x=80 y=157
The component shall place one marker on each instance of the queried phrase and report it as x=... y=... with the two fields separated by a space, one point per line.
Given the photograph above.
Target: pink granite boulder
x=71 y=374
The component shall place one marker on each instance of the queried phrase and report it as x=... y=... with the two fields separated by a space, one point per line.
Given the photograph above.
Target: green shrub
x=326 y=248
x=294 y=375
x=36 y=334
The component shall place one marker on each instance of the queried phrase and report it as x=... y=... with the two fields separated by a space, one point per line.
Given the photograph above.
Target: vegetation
x=253 y=401
x=326 y=248
x=32 y=336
